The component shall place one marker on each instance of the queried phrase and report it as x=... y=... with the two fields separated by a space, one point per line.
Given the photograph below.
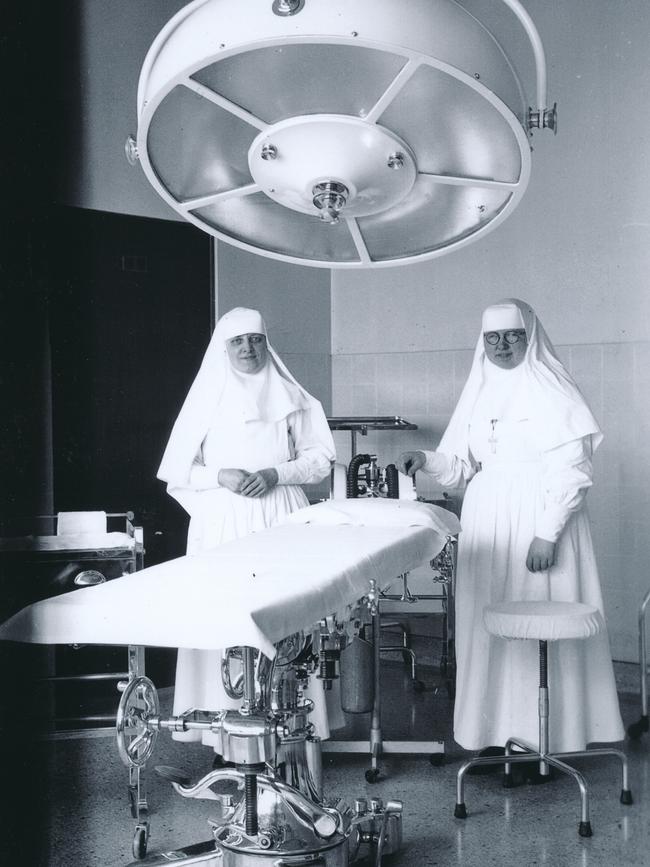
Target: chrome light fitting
x=330 y=198
x=401 y=124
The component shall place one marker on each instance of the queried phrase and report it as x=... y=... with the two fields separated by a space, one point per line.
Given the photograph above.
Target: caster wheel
x=418 y=686
x=437 y=760
x=140 y=843
x=584 y=829
x=451 y=689
x=508 y=781
x=635 y=730
x=372 y=775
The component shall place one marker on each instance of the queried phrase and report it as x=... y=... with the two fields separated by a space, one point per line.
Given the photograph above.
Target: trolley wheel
x=437 y=759
x=451 y=689
x=140 y=842
x=418 y=686
x=372 y=775
x=635 y=730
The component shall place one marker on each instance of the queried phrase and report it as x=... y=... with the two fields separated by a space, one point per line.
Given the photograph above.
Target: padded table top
x=252 y=591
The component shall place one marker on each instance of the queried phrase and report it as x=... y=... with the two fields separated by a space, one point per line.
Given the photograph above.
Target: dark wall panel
x=130 y=317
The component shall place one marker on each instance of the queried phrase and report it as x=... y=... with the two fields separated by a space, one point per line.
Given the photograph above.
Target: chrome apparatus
x=279 y=817
x=363 y=477
x=402 y=125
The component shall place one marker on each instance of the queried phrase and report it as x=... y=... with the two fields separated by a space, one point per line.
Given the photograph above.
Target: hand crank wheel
x=135 y=741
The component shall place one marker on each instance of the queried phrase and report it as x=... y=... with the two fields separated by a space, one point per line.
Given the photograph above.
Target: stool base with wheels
x=544 y=622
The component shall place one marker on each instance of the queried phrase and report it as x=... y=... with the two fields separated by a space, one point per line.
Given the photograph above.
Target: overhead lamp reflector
x=334 y=133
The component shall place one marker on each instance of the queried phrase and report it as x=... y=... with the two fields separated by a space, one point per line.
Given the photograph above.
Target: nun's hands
x=410 y=462
x=232 y=479
x=259 y=483
x=541 y=555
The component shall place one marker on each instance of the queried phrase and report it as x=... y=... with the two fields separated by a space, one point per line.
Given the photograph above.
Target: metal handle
x=391 y=808
x=321 y=821
x=292 y=862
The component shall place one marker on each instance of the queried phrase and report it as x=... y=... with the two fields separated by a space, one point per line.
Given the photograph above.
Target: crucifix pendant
x=493 y=438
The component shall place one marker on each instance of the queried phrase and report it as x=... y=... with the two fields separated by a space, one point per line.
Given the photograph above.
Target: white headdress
x=543 y=390
x=218 y=393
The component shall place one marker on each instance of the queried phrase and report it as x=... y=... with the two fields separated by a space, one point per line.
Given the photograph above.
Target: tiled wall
x=423 y=387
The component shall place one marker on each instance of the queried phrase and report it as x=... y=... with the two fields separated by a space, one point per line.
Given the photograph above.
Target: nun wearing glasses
x=247 y=437
x=522 y=438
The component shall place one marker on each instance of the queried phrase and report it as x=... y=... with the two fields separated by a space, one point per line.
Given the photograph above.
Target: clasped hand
x=410 y=462
x=248 y=484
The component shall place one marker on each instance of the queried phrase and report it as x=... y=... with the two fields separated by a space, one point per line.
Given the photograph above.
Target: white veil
x=218 y=391
x=545 y=391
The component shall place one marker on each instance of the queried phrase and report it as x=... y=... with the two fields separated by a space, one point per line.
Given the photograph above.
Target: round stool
x=543 y=622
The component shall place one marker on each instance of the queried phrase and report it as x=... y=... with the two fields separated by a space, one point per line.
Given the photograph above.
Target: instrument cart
x=74 y=685
x=443 y=576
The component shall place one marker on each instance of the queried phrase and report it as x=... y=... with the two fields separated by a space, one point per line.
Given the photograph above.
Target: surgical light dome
x=338 y=133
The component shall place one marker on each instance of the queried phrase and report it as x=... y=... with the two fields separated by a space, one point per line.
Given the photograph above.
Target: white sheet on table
x=377 y=512
x=252 y=591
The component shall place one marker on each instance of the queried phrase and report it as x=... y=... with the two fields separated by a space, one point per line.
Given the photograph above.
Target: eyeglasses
x=494 y=337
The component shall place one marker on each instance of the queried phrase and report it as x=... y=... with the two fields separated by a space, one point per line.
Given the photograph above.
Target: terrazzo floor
x=65 y=802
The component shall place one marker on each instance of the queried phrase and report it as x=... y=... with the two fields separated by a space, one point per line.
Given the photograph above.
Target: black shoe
x=496 y=768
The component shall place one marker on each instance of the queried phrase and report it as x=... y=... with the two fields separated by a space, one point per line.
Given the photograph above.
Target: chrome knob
x=269 y=152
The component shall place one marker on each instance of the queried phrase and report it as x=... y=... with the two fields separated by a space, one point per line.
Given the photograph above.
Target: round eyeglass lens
x=511 y=337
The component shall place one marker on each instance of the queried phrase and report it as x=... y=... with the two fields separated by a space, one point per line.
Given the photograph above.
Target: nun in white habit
x=522 y=437
x=247 y=436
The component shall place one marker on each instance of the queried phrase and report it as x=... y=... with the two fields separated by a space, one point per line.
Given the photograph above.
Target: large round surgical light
x=337 y=133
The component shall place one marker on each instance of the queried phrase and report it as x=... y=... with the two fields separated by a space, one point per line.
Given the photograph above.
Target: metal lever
x=173 y=775
x=323 y=823
x=200 y=789
x=391 y=808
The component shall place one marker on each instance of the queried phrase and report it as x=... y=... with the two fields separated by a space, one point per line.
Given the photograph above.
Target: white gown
x=519 y=493
x=218 y=515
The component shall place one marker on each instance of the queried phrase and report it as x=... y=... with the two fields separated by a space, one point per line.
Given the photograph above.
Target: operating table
x=279 y=595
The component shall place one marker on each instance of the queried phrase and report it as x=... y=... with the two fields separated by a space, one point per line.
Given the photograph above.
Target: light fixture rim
x=506 y=112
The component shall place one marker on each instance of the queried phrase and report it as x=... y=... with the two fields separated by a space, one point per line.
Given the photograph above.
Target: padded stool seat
x=543 y=621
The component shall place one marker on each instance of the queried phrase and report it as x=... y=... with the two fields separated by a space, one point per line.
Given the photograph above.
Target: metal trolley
x=39 y=558
x=443 y=567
